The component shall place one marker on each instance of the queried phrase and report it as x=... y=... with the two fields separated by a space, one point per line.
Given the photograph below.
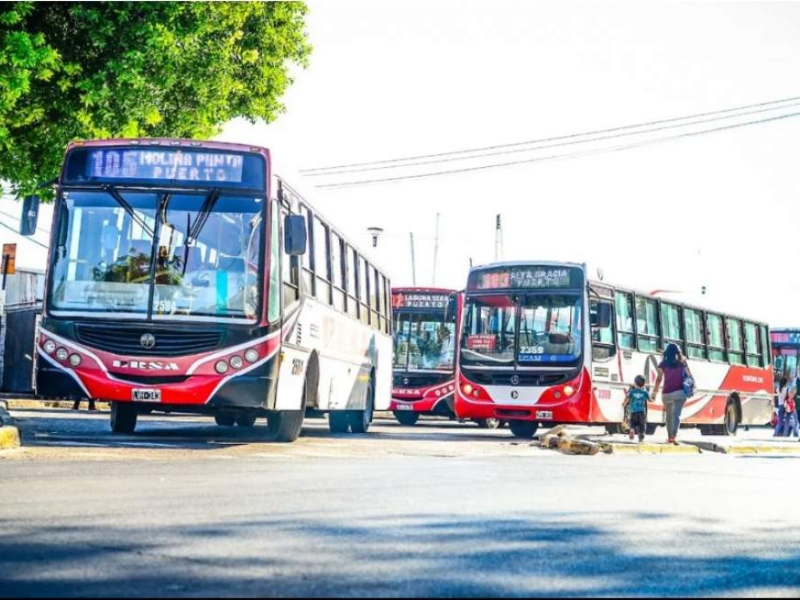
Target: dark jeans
x=639 y=424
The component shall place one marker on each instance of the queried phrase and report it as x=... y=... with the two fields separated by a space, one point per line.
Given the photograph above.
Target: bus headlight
x=62 y=354
x=75 y=360
x=467 y=389
x=236 y=362
x=49 y=346
x=221 y=367
x=569 y=390
x=251 y=355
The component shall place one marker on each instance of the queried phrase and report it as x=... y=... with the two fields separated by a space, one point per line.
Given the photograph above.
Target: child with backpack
x=637 y=400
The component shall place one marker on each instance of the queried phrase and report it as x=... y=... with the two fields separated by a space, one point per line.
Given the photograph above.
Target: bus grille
x=525 y=379
x=126 y=340
x=407 y=380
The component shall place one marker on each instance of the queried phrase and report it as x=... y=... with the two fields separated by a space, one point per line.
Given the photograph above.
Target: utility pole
x=498 y=240
x=413 y=260
x=435 y=250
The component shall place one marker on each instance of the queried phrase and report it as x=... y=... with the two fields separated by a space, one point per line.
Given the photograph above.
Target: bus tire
x=488 y=423
x=123 y=417
x=524 y=430
x=225 y=419
x=246 y=420
x=285 y=426
x=731 y=426
x=409 y=419
x=338 y=421
x=360 y=420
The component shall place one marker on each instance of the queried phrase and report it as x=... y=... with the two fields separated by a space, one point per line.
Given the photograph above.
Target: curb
x=654 y=449
x=37 y=404
x=747 y=450
x=9 y=438
x=9 y=435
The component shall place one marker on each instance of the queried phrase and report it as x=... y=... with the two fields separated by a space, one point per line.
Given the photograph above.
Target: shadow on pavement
x=525 y=555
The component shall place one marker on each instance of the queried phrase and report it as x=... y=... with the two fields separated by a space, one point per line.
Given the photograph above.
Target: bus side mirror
x=295 y=235
x=601 y=315
x=30 y=215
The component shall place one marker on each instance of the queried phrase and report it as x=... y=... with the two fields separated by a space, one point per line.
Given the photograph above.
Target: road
x=185 y=508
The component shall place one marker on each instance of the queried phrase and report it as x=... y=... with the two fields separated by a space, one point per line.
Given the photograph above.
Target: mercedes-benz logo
x=148 y=340
x=515 y=394
x=515 y=380
x=405 y=381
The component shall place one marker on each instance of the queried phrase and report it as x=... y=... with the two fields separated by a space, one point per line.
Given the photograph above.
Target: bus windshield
x=423 y=342
x=522 y=330
x=195 y=254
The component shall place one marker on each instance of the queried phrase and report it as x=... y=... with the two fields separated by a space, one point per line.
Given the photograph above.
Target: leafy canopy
x=84 y=70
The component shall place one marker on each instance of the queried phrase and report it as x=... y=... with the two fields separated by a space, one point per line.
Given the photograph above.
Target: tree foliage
x=84 y=70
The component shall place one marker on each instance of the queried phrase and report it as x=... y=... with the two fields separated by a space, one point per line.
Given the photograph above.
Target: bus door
x=606 y=366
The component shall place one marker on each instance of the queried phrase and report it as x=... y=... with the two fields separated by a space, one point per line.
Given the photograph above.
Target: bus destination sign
x=171 y=164
x=525 y=277
x=433 y=301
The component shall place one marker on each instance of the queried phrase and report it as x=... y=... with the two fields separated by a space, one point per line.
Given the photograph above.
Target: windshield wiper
x=112 y=191
x=202 y=217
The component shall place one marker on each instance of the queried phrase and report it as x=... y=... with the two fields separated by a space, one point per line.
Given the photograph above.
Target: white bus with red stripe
x=185 y=277
x=540 y=344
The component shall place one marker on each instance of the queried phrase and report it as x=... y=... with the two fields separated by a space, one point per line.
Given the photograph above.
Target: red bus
x=540 y=344
x=184 y=277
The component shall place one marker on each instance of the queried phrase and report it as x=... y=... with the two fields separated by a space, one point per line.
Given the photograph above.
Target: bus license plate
x=404 y=407
x=146 y=395
x=544 y=415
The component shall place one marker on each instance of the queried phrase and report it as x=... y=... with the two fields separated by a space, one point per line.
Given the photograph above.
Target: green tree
x=83 y=70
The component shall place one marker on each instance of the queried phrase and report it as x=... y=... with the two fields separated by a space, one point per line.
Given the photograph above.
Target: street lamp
x=375 y=232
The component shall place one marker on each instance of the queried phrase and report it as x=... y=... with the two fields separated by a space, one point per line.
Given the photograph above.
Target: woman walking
x=783 y=394
x=672 y=371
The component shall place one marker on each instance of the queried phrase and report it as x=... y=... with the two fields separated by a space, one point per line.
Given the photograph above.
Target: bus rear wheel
x=225 y=419
x=285 y=426
x=409 y=419
x=524 y=430
x=360 y=420
x=123 y=417
x=731 y=426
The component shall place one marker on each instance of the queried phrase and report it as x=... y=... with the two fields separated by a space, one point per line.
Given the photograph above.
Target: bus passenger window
x=603 y=346
x=624 y=311
x=716 y=338
x=647 y=324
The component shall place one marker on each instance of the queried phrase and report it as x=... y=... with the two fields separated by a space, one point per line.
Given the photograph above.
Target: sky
x=393 y=80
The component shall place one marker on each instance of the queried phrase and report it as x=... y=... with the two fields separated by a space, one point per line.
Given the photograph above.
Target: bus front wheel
x=123 y=417
x=360 y=420
x=225 y=419
x=285 y=426
x=524 y=430
x=409 y=419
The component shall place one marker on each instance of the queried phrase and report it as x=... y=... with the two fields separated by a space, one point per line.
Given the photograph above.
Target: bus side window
x=624 y=310
x=765 y=347
x=752 y=355
x=671 y=325
x=322 y=285
x=716 y=338
x=693 y=325
x=291 y=291
x=647 y=324
x=603 y=346
x=306 y=275
x=351 y=275
x=337 y=272
x=733 y=328
x=363 y=276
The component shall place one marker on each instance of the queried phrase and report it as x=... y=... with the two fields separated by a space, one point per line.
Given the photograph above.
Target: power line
x=551 y=139
x=558 y=156
x=11 y=229
x=10 y=216
x=560 y=144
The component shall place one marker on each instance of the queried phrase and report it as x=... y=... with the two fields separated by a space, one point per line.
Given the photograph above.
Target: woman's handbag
x=688 y=383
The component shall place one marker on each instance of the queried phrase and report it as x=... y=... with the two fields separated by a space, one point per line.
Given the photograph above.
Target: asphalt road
x=185 y=508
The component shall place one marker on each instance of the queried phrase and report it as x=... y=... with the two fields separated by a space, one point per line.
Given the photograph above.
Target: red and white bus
x=184 y=277
x=424 y=353
x=540 y=345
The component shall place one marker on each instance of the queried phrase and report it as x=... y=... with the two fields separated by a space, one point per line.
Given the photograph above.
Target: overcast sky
x=717 y=210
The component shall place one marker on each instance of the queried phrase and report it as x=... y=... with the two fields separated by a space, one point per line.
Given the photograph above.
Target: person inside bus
x=783 y=394
x=672 y=371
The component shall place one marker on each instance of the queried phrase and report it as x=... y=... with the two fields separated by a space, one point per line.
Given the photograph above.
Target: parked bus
x=425 y=342
x=540 y=345
x=184 y=277
x=785 y=349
